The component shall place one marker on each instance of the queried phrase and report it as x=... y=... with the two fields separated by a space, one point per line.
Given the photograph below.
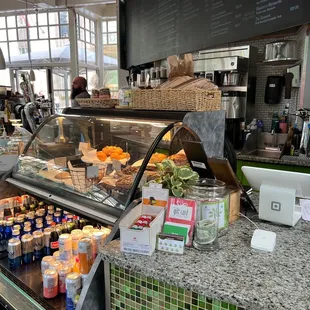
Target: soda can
x=98 y=238
x=69 y=218
x=63 y=272
x=88 y=227
x=65 y=213
x=27 y=223
x=50 y=207
x=20 y=222
x=14 y=253
x=39 y=227
x=38 y=239
x=49 y=223
x=41 y=213
x=27 y=230
x=16 y=234
x=30 y=216
x=76 y=235
x=49 y=218
x=45 y=263
x=50 y=283
x=56 y=256
x=57 y=217
x=16 y=227
x=85 y=255
x=27 y=248
x=55 y=265
x=51 y=213
x=39 y=220
x=73 y=288
x=65 y=247
x=47 y=235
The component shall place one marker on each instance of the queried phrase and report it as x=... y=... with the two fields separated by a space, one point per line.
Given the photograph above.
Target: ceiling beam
x=81 y=3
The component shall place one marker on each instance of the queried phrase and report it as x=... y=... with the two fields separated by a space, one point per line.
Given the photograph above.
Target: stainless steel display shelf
x=29 y=279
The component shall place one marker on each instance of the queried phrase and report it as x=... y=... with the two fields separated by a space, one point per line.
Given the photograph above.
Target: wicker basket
x=80 y=182
x=97 y=103
x=177 y=100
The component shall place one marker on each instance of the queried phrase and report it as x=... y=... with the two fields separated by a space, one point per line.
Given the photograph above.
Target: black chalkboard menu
x=156 y=29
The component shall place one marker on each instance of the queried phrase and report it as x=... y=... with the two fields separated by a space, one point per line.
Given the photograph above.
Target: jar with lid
x=212 y=218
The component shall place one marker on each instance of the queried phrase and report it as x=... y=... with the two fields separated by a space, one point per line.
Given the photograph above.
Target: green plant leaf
x=176 y=182
x=194 y=179
x=159 y=166
x=168 y=164
x=177 y=191
x=186 y=174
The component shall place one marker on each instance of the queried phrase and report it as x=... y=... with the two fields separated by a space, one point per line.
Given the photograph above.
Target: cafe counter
x=234 y=277
x=287 y=163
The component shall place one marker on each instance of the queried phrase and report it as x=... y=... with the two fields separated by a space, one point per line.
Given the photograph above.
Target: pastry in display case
x=94 y=161
x=94 y=168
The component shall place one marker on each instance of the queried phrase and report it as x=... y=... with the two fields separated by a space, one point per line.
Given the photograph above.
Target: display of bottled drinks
x=65 y=244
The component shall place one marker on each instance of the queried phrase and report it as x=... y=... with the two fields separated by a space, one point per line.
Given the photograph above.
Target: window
x=86 y=34
x=61 y=79
x=110 y=55
x=91 y=76
x=47 y=33
x=110 y=79
x=109 y=38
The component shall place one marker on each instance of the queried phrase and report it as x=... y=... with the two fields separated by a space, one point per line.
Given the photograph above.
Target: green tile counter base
x=235 y=274
x=133 y=291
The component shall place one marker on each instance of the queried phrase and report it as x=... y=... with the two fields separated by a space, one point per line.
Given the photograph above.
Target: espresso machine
x=233 y=70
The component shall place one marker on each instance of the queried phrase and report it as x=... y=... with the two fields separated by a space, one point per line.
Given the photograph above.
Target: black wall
x=155 y=29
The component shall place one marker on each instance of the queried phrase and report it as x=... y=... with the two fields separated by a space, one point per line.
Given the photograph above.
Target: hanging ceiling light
x=2 y=61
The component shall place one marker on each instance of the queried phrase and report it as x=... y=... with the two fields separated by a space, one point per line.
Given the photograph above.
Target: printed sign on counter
x=180 y=218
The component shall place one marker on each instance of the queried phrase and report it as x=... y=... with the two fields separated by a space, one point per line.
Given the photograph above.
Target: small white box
x=263 y=240
x=141 y=241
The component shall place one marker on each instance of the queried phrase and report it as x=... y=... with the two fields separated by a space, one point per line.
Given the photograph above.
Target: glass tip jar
x=212 y=218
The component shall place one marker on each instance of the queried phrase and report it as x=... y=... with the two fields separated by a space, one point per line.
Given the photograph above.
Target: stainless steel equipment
x=233 y=78
x=234 y=71
x=265 y=144
x=233 y=103
x=281 y=53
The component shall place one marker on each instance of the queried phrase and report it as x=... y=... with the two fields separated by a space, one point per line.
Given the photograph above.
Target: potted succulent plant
x=176 y=179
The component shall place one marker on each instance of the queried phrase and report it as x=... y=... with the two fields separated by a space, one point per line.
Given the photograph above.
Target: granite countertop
x=235 y=273
x=285 y=160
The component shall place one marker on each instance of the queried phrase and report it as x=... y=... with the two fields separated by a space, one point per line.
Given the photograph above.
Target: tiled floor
x=133 y=291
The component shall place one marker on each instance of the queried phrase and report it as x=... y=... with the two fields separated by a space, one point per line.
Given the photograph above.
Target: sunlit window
x=110 y=55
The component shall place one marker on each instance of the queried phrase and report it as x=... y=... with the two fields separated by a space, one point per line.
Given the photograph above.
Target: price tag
x=117 y=165
x=198 y=164
x=61 y=161
x=84 y=146
x=92 y=172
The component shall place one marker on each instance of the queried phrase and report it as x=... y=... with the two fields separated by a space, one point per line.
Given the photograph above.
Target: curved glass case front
x=94 y=157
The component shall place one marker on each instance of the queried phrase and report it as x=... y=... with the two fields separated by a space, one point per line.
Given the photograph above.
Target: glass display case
x=94 y=167
x=96 y=162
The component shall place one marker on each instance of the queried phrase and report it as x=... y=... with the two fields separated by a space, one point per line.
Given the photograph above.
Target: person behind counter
x=78 y=90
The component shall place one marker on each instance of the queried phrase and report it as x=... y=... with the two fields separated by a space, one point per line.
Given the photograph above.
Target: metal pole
x=74 y=65
x=99 y=43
